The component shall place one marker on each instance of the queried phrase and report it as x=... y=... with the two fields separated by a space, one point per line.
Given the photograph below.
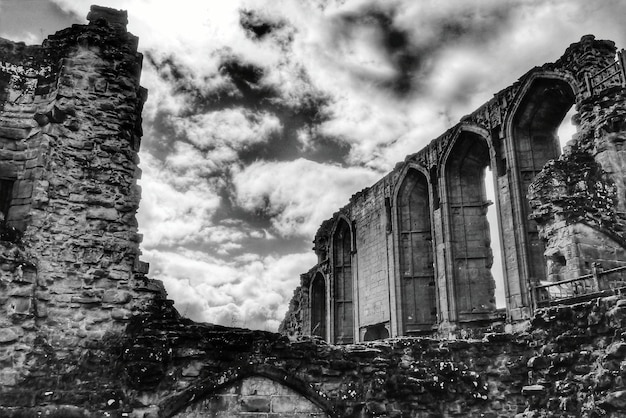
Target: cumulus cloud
x=298 y=195
x=171 y=212
x=247 y=291
x=234 y=128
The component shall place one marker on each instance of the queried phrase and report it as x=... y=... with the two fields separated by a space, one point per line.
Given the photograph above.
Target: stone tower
x=70 y=129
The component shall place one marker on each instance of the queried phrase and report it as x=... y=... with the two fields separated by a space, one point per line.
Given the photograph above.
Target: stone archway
x=343 y=286
x=251 y=397
x=469 y=232
x=318 y=306
x=418 y=299
x=533 y=142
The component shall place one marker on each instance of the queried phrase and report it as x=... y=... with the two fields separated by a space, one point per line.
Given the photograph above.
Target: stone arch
x=531 y=141
x=471 y=287
x=415 y=286
x=183 y=403
x=318 y=309
x=342 y=283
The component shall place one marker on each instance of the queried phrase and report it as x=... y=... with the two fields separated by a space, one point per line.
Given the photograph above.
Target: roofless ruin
x=411 y=255
x=84 y=332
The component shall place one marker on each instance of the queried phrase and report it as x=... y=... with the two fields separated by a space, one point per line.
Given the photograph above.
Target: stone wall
x=84 y=333
x=569 y=364
x=70 y=128
x=578 y=200
x=514 y=134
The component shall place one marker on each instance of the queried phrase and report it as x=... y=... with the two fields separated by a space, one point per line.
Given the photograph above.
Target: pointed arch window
x=535 y=142
x=472 y=258
x=417 y=278
x=318 y=306
x=342 y=269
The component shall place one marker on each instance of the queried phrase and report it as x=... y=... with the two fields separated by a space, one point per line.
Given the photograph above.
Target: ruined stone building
x=85 y=333
x=411 y=254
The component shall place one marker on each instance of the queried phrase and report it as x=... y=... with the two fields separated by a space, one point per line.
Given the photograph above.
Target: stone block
x=255 y=385
x=14 y=133
x=121 y=314
x=116 y=296
x=86 y=300
x=532 y=390
x=255 y=403
x=8 y=377
x=292 y=404
x=118 y=275
x=19 y=306
x=192 y=370
x=25 y=275
x=141 y=267
x=18 y=212
x=41 y=309
x=9 y=335
x=23 y=189
x=106 y=214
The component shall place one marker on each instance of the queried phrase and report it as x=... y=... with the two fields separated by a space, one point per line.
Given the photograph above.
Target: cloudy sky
x=263 y=117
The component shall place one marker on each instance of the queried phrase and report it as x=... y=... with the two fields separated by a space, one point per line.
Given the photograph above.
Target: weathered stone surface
x=8 y=335
x=617 y=399
x=83 y=331
x=570 y=224
x=67 y=258
x=616 y=350
x=531 y=390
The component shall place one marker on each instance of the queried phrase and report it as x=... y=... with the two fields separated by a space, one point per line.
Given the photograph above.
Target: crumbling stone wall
x=514 y=134
x=70 y=128
x=84 y=333
x=579 y=199
x=568 y=365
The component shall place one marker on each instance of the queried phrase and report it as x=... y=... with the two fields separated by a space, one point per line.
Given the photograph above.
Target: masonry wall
x=514 y=135
x=578 y=199
x=373 y=258
x=84 y=333
x=567 y=365
x=70 y=131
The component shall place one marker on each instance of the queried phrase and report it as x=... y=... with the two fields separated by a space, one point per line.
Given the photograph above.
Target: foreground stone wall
x=570 y=364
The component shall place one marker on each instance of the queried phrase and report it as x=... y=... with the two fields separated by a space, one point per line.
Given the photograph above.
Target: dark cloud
x=229 y=210
x=394 y=40
x=248 y=90
x=413 y=49
x=247 y=80
x=162 y=136
x=255 y=26
x=474 y=24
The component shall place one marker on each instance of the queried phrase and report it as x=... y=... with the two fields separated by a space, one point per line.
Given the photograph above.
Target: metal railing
x=612 y=75
x=590 y=285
